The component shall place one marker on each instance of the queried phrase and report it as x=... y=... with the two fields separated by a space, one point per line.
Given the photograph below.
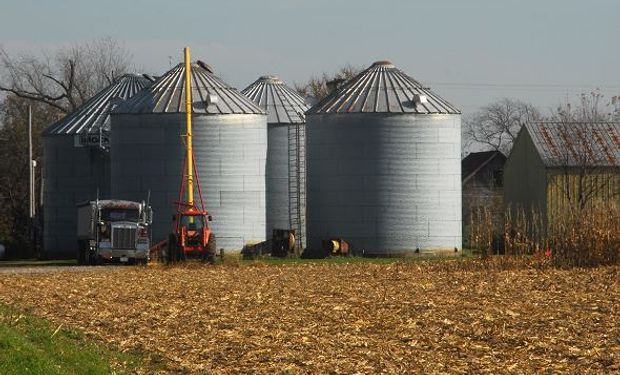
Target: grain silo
x=77 y=163
x=383 y=166
x=230 y=149
x=285 y=171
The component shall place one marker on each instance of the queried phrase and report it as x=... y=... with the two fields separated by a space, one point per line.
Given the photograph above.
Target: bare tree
x=589 y=107
x=586 y=167
x=589 y=171
x=615 y=102
x=54 y=85
x=320 y=87
x=497 y=125
x=15 y=228
x=66 y=79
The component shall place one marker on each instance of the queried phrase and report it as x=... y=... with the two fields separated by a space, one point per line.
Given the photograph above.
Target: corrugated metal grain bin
x=77 y=163
x=230 y=148
x=285 y=171
x=384 y=166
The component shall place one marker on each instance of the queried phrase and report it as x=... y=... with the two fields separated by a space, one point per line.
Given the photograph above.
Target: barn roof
x=576 y=144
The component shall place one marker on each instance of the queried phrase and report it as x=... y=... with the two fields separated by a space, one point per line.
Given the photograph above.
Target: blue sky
x=471 y=52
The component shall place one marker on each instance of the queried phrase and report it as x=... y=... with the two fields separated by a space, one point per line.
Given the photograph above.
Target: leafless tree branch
x=497 y=125
x=590 y=107
x=67 y=79
x=318 y=86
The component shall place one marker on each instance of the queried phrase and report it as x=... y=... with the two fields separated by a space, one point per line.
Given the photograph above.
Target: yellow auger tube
x=188 y=139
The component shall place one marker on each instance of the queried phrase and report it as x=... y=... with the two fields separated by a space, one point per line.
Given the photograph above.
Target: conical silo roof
x=94 y=114
x=383 y=88
x=282 y=103
x=210 y=95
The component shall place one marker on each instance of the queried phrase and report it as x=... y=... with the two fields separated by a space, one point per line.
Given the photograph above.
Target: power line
x=523 y=85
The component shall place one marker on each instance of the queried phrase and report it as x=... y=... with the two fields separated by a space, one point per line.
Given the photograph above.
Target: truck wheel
x=80 y=254
x=211 y=249
x=171 y=252
x=93 y=258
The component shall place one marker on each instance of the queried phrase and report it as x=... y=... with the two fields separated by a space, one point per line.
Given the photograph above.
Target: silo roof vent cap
x=419 y=99
x=212 y=99
x=270 y=78
x=383 y=63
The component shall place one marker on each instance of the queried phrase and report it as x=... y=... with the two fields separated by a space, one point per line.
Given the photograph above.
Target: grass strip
x=29 y=345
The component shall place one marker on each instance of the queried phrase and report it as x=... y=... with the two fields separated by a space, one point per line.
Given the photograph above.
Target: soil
x=409 y=317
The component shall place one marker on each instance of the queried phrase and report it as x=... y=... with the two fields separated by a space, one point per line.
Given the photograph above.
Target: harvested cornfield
x=404 y=317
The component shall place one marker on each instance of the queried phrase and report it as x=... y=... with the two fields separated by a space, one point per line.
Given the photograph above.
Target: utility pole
x=32 y=197
x=31 y=167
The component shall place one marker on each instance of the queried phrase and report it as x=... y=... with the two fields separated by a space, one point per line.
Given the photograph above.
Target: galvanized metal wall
x=71 y=175
x=276 y=174
x=230 y=152
x=282 y=176
x=385 y=183
x=285 y=173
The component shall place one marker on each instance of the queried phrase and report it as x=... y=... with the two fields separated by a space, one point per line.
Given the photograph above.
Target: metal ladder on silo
x=297 y=182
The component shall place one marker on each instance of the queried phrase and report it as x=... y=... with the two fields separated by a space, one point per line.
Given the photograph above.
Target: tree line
x=53 y=85
x=495 y=126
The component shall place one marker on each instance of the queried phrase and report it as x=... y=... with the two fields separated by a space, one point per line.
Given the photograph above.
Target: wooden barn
x=556 y=166
x=483 y=189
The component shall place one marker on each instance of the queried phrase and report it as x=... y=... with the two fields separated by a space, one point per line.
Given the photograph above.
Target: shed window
x=498 y=178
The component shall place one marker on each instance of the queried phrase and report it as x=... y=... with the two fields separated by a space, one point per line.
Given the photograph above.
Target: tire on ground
x=211 y=249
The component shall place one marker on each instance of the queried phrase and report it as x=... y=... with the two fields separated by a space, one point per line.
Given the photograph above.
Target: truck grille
x=123 y=238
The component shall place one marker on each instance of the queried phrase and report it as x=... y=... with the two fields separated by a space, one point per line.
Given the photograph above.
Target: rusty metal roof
x=577 y=144
x=210 y=95
x=282 y=103
x=94 y=114
x=383 y=88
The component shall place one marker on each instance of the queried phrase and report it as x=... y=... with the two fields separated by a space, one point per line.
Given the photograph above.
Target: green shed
x=554 y=166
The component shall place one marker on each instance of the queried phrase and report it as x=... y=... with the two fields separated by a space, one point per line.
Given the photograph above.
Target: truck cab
x=114 y=231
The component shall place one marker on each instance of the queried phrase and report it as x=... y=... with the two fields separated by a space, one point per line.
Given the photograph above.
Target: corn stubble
x=455 y=316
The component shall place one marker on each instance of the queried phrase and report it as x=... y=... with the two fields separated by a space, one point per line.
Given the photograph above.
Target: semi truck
x=113 y=231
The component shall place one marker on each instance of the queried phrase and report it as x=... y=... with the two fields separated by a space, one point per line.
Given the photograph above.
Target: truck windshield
x=120 y=214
